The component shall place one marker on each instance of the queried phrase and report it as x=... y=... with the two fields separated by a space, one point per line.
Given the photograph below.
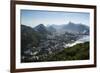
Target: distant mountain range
x=45 y=30
x=76 y=28
x=70 y=27
x=41 y=32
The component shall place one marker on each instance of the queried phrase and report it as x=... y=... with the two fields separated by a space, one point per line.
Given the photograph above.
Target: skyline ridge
x=47 y=25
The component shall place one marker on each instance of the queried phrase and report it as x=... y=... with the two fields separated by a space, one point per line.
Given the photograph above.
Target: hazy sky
x=35 y=17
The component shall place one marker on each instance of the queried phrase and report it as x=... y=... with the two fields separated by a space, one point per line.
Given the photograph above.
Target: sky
x=35 y=17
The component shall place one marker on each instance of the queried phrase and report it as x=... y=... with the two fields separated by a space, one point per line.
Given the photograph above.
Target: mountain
x=41 y=29
x=29 y=37
x=70 y=27
x=76 y=28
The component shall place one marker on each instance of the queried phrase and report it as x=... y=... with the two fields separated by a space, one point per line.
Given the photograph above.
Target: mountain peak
x=39 y=27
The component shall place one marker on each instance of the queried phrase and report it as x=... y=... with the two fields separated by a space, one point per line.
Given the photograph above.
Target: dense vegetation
x=77 y=52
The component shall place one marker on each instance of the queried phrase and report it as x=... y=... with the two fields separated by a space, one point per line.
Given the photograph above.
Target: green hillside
x=77 y=52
